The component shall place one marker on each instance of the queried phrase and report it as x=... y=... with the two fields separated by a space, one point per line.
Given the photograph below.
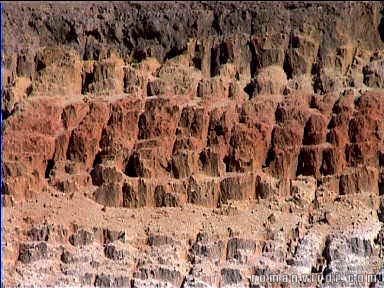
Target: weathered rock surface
x=192 y=144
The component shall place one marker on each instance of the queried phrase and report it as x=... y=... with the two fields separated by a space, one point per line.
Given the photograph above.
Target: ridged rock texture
x=193 y=144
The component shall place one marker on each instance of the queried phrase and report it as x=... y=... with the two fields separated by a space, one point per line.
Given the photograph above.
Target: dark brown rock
x=81 y=238
x=109 y=194
x=103 y=174
x=135 y=194
x=239 y=249
x=40 y=233
x=237 y=187
x=203 y=191
x=231 y=276
x=359 y=180
x=160 y=240
x=67 y=257
x=111 y=252
x=32 y=252
x=315 y=130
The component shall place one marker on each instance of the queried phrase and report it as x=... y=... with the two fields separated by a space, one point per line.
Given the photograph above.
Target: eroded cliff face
x=192 y=144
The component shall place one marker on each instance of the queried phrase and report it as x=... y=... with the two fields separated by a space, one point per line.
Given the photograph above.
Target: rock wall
x=197 y=105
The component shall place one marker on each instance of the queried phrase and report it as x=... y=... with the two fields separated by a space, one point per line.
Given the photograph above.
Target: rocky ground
x=193 y=144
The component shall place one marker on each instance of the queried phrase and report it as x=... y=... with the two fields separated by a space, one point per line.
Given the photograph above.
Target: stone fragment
x=315 y=130
x=237 y=187
x=67 y=257
x=40 y=233
x=29 y=253
x=231 y=276
x=81 y=238
x=109 y=194
x=111 y=252
x=359 y=180
x=240 y=249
